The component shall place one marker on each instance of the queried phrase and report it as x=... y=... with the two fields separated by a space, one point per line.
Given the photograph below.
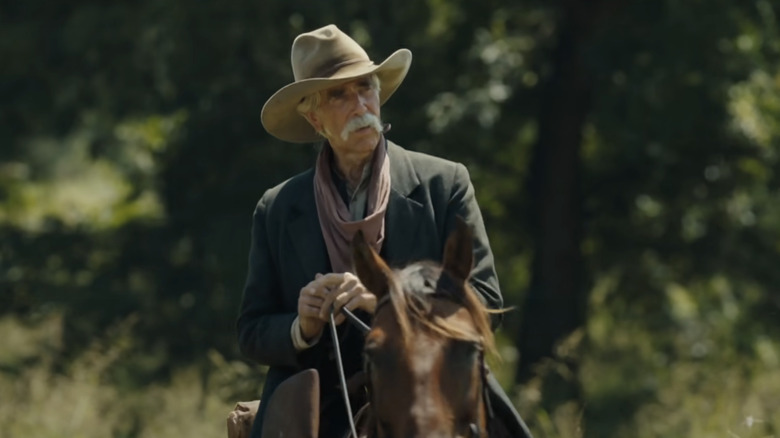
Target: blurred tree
x=556 y=299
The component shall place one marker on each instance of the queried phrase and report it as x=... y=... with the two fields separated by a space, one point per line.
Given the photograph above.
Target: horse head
x=424 y=354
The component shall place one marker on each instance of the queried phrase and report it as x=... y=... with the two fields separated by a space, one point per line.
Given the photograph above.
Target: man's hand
x=349 y=293
x=310 y=302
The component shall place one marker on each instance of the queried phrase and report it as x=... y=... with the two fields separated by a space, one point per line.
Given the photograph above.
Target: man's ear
x=313 y=120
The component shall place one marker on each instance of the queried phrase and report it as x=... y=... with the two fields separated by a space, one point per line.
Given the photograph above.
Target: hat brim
x=280 y=115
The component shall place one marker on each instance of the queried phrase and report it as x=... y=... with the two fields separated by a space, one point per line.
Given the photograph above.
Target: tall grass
x=84 y=400
x=637 y=382
x=699 y=367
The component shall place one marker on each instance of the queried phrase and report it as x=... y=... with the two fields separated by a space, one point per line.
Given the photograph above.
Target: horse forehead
x=455 y=315
x=427 y=351
x=428 y=346
x=420 y=278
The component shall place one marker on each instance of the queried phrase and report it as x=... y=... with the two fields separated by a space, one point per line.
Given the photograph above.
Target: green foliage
x=700 y=366
x=132 y=156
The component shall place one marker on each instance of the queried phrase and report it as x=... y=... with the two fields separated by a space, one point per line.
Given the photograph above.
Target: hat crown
x=322 y=52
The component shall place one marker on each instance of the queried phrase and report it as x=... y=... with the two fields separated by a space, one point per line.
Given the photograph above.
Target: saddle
x=292 y=411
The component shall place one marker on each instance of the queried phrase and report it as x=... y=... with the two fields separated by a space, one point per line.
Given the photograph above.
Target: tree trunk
x=555 y=306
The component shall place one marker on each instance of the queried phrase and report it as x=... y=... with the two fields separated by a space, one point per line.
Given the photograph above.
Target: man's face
x=338 y=106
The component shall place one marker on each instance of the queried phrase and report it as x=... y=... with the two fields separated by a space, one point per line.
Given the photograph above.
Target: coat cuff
x=297 y=336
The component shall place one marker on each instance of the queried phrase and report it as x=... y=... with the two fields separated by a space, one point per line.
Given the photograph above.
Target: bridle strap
x=489 y=413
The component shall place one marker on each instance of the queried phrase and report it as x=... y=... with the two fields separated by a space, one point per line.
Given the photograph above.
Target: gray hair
x=312 y=102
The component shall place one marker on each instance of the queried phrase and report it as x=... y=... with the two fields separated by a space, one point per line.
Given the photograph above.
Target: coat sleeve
x=263 y=327
x=463 y=203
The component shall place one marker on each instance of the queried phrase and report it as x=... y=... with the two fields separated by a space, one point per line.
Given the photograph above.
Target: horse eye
x=465 y=348
x=370 y=351
x=371 y=344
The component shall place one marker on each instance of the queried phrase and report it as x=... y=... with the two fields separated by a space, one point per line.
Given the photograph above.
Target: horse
x=424 y=353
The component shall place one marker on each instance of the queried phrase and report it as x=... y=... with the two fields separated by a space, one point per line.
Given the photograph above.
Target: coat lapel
x=404 y=213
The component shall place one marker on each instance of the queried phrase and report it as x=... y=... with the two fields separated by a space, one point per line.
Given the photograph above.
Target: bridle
x=365 y=329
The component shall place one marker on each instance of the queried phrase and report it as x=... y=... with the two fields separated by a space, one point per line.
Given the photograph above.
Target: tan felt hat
x=321 y=59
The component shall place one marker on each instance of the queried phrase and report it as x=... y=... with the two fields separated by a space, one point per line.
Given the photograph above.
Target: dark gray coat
x=288 y=249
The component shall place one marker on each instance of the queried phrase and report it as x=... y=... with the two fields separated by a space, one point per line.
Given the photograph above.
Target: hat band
x=329 y=70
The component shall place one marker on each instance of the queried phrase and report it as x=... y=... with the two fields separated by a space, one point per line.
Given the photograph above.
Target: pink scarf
x=335 y=219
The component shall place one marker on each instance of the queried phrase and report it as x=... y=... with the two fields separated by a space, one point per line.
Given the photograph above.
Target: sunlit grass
x=81 y=401
x=697 y=369
x=636 y=383
x=39 y=403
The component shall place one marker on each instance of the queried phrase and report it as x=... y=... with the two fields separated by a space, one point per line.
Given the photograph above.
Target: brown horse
x=424 y=353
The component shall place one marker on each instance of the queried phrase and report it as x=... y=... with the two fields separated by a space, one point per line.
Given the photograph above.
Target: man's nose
x=360 y=104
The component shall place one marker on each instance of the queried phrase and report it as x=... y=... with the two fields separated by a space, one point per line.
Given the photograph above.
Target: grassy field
x=631 y=387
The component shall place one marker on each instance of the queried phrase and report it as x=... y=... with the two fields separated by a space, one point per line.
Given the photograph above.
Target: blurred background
x=624 y=153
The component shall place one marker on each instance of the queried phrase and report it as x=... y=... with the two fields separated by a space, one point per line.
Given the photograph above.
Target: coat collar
x=402 y=217
x=403 y=179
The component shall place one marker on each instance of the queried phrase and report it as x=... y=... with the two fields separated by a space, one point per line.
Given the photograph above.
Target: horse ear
x=372 y=271
x=459 y=251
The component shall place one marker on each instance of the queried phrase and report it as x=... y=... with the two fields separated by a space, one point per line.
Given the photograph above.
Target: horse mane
x=411 y=291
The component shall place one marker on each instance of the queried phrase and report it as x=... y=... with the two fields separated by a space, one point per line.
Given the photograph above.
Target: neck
x=351 y=164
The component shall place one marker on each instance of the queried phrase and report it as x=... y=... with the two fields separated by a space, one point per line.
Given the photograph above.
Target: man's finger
x=325 y=308
x=312 y=301
x=363 y=301
x=309 y=310
x=351 y=305
x=313 y=290
x=330 y=279
x=349 y=284
x=354 y=303
x=342 y=299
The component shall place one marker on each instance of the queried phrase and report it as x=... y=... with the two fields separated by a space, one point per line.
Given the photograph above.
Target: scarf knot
x=336 y=222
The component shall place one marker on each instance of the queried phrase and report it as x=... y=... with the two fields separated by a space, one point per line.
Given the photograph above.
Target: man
x=405 y=203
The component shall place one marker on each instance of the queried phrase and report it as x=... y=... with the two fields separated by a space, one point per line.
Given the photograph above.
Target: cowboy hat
x=321 y=59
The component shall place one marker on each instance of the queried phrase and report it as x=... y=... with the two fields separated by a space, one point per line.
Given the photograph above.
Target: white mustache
x=359 y=122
